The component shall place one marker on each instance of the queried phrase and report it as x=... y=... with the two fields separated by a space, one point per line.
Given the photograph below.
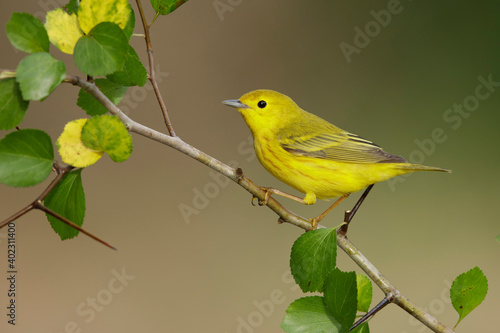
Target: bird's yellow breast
x=321 y=177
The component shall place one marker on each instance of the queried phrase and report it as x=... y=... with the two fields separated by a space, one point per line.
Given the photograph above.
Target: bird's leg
x=358 y=204
x=349 y=214
x=270 y=190
x=316 y=220
x=371 y=313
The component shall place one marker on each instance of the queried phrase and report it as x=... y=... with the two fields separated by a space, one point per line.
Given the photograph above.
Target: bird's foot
x=264 y=202
x=314 y=223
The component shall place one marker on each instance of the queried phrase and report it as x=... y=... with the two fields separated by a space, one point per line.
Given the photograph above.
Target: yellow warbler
x=312 y=155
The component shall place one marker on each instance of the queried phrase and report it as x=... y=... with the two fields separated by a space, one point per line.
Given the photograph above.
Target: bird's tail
x=418 y=167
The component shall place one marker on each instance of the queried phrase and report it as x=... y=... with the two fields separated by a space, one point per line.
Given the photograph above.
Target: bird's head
x=265 y=109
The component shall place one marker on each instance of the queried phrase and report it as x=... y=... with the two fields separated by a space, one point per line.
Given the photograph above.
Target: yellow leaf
x=63 y=30
x=93 y=12
x=71 y=147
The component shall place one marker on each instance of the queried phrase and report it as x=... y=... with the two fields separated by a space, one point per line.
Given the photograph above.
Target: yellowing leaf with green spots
x=63 y=30
x=109 y=134
x=71 y=147
x=93 y=12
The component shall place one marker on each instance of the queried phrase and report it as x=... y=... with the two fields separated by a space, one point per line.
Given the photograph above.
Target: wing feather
x=331 y=143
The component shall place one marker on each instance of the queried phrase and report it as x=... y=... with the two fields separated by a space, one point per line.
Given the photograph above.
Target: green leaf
x=71 y=7
x=102 y=51
x=313 y=255
x=365 y=292
x=67 y=199
x=12 y=105
x=92 y=106
x=165 y=7
x=27 y=33
x=468 y=291
x=39 y=74
x=309 y=315
x=133 y=72
x=107 y=133
x=26 y=158
x=129 y=28
x=341 y=296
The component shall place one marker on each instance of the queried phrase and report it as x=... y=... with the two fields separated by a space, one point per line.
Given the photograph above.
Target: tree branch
x=393 y=294
x=285 y=215
x=37 y=204
x=152 y=75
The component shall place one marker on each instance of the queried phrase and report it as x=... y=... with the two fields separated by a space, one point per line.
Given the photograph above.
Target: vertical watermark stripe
x=12 y=273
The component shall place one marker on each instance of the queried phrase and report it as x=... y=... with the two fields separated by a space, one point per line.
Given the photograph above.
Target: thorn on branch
x=372 y=312
x=38 y=204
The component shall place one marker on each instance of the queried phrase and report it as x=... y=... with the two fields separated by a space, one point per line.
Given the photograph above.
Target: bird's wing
x=332 y=143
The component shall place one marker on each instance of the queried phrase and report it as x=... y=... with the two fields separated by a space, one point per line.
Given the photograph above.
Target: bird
x=312 y=155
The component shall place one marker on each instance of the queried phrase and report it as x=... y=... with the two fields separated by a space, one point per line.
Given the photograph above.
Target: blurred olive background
x=221 y=268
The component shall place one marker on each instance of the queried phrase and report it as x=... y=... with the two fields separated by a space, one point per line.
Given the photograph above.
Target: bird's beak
x=235 y=104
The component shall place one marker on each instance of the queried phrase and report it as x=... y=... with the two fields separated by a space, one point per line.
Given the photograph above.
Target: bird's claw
x=266 y=197
x=259 y=202
x=314 y=223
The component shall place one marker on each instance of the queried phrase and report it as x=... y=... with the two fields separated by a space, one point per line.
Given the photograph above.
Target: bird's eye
x=262 y=104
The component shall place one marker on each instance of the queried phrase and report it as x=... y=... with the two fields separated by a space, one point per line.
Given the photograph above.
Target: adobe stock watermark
x=453 y=118
x=435 y=308
x=47 y=6
x=137 y=94
x=224 y=6
x=373 y=28
x=203 y=195
x=265 y=308
x=88 y=309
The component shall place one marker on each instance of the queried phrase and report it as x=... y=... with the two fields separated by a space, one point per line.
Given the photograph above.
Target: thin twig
x=16 y=215
x=389 y=290
x=152 y=75
x=382 y=304
x=61 y=172
x=37 y=204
